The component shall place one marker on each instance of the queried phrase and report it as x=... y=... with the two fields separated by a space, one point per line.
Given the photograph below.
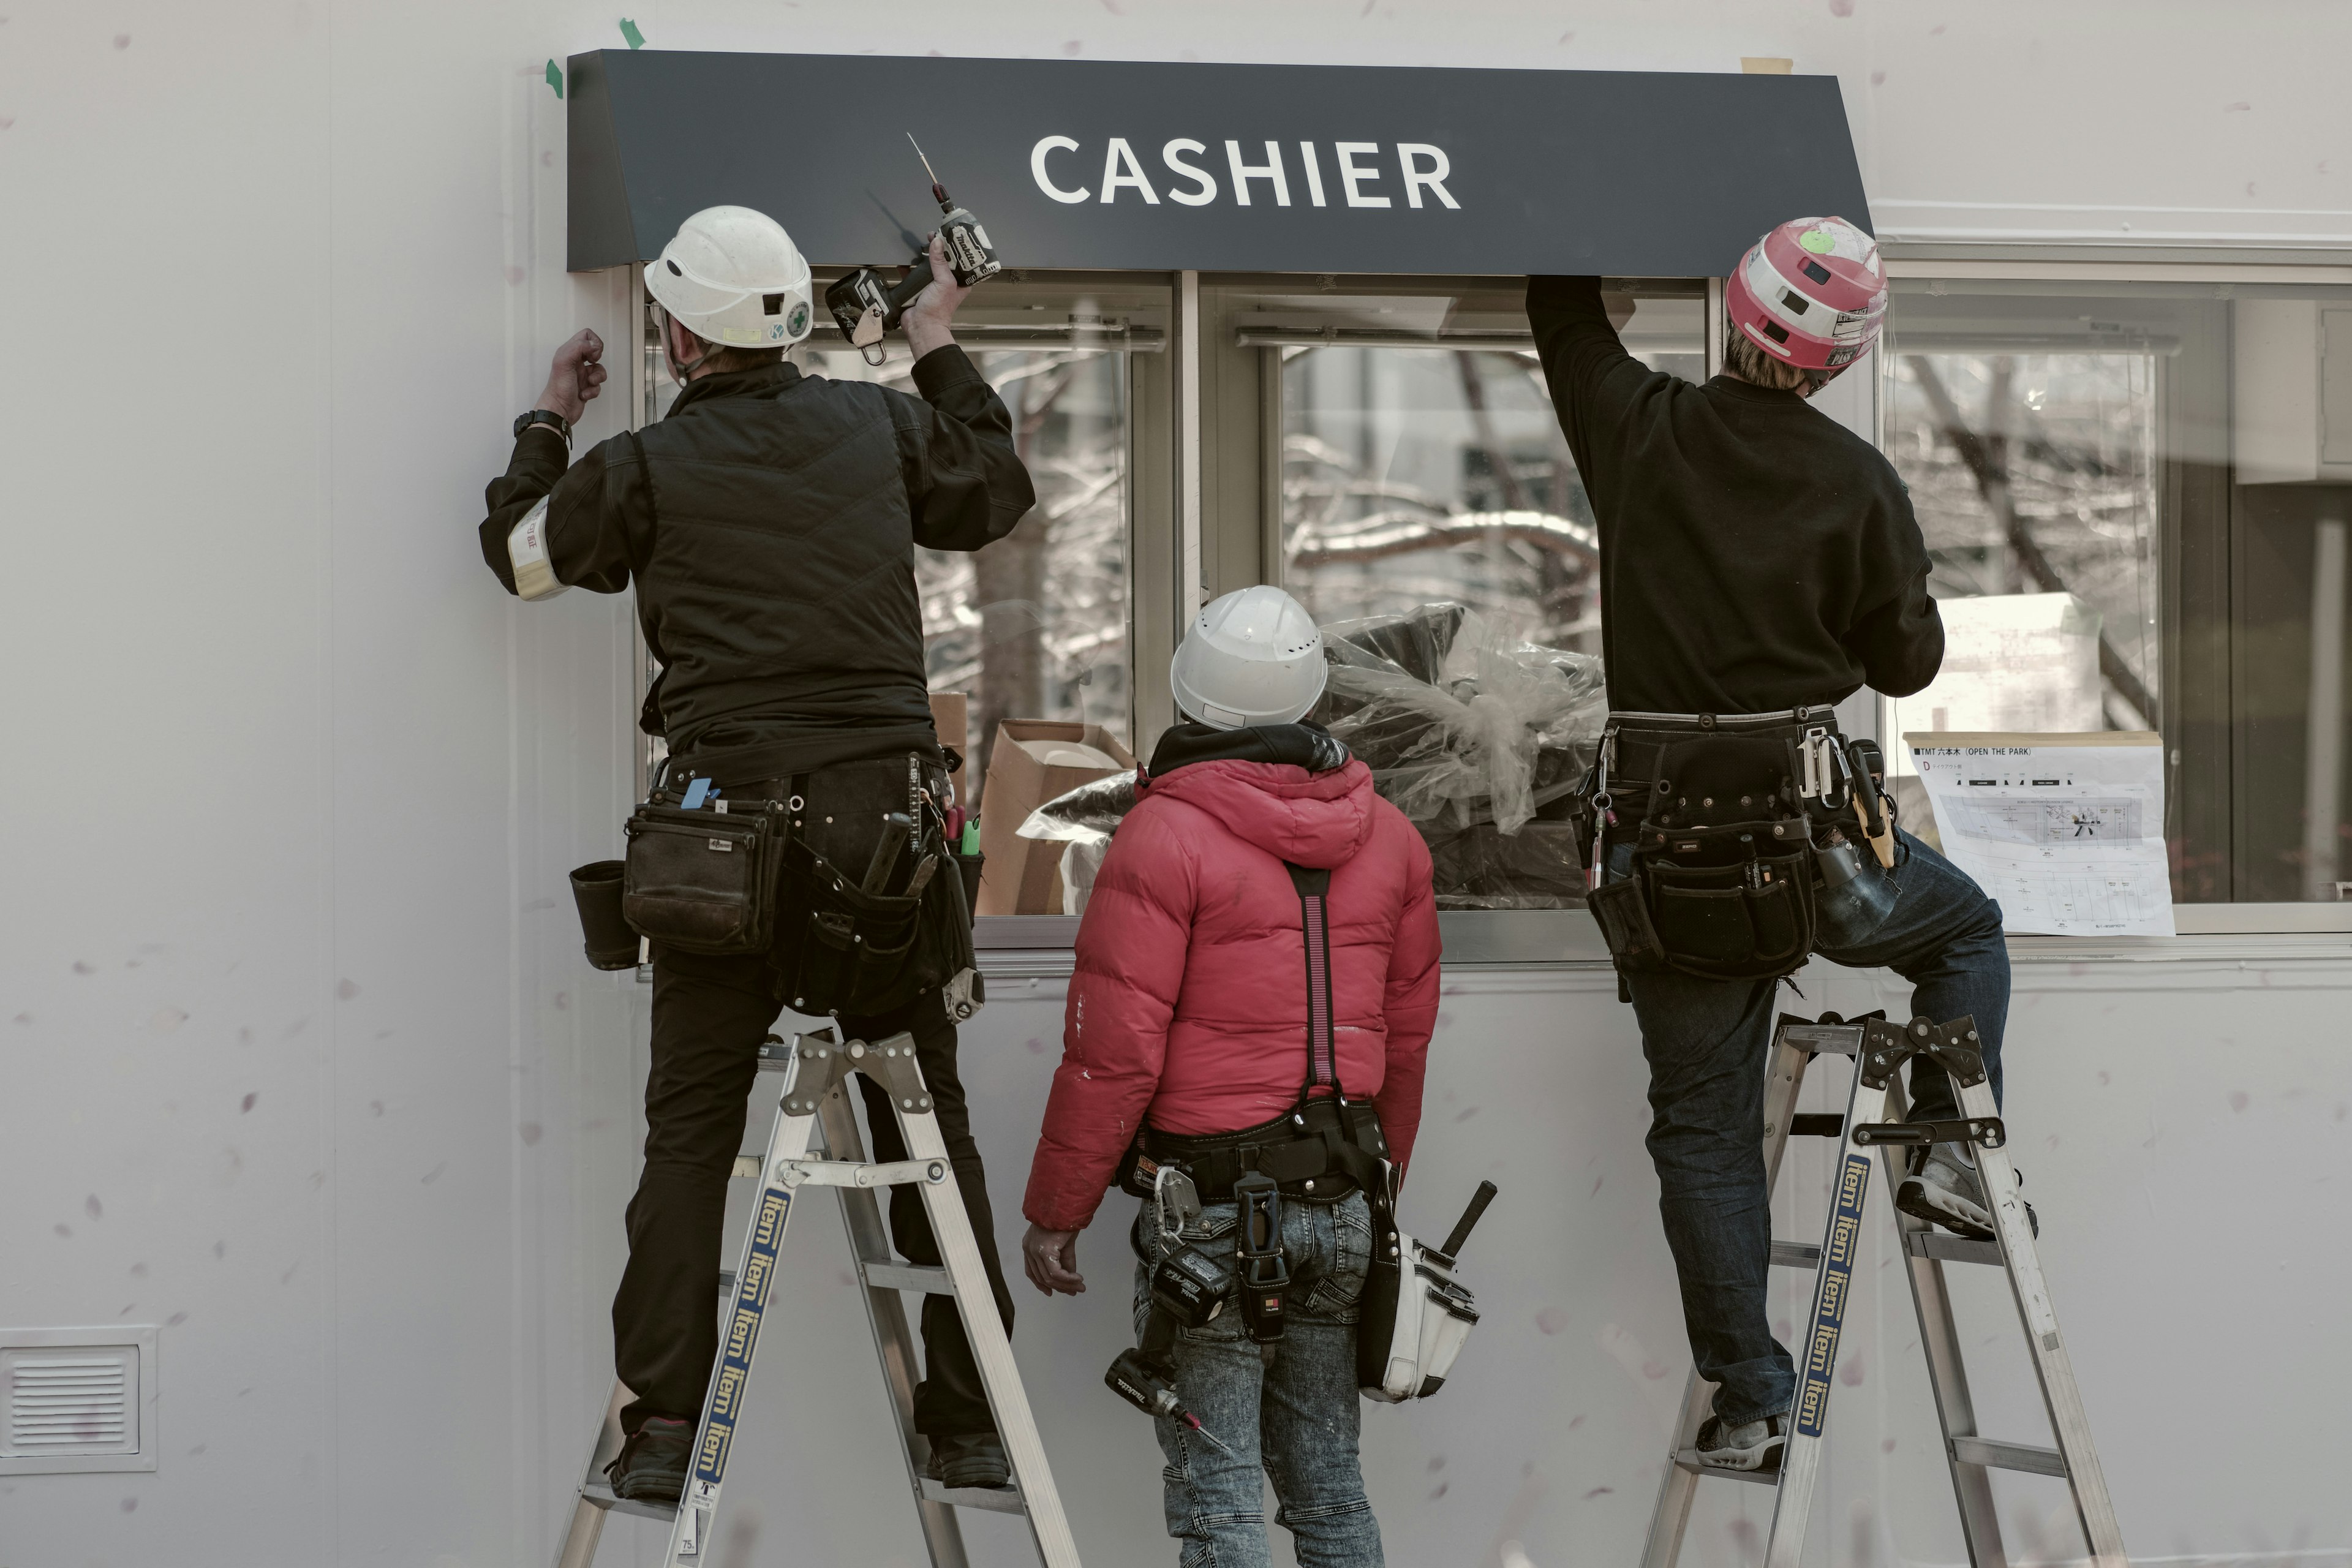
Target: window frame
x=2034 y=264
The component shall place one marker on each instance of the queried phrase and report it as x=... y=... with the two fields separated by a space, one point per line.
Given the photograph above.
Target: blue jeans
x=1296 y=1415
x=1707 y=1042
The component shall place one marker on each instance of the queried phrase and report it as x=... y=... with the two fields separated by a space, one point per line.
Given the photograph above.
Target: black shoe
x=652 y=1465
x=1754 y=1445
x=969 y=1459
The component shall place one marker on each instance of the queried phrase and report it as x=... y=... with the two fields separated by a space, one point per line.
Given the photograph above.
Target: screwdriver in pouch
x=897 y=828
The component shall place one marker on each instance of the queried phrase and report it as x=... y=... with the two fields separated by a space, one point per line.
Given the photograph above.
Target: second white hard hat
x=733 y=276
x=1251 y=657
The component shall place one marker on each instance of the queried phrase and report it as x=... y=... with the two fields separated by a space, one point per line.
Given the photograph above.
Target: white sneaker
x=1752 y=1445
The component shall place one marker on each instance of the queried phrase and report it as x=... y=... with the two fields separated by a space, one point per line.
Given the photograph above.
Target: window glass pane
x=2137 y=521
x=1414 y=474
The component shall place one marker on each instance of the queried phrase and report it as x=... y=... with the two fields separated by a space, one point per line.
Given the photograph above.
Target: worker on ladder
x=767 y=524
x=1759 y=564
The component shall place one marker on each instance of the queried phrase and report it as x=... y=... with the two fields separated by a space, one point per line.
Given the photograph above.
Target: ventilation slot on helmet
x=672 y=267
x=1794 y=300
x=1817 y=272
x=1776 y=332
x=771 y=304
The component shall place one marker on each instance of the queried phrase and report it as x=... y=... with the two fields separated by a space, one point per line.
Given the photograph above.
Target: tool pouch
x=856 y=952
x=703 y=881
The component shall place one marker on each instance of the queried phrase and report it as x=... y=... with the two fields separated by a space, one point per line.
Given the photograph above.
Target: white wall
x=299 y=1060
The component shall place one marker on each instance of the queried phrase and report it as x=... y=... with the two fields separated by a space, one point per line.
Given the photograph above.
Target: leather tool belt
x=1321 y=1150
x=1719 y=812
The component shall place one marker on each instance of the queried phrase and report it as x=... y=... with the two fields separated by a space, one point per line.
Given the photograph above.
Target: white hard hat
x=1252 y=657
x=733 y=276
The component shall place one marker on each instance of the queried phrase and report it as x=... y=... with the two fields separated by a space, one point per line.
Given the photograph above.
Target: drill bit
x=939 y=191
x=1194 y=1423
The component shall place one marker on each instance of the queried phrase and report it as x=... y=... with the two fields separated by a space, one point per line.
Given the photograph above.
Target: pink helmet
x=1811 y=293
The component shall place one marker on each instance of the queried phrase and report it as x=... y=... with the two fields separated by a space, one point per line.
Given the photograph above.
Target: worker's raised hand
x=1050 y=1259
x=928 y=316
x=574 y=377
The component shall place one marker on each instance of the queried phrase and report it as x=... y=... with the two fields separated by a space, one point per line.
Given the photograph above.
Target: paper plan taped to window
x=2066 y=832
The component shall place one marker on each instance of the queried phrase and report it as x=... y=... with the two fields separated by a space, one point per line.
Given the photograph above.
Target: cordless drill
x=866 y=308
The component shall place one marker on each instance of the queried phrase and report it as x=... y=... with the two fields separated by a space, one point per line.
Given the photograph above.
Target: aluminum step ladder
x=815 y=1105
x=1873 y=1120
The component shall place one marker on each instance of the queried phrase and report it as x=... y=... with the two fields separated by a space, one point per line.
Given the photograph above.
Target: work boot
x=1944 y=1188
x=1752 y=1445
x=969 y=1459
x=651 y=1465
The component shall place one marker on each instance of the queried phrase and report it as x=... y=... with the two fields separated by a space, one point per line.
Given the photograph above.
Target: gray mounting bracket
x=825 y=1061
x=1954 y=1046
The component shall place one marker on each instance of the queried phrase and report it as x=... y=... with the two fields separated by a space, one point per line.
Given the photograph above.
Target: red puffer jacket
x=1188 y=1002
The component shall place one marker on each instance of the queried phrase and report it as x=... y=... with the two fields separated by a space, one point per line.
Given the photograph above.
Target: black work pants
x=709 y=1015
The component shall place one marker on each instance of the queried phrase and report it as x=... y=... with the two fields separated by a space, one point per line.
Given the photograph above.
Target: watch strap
x=546 y=416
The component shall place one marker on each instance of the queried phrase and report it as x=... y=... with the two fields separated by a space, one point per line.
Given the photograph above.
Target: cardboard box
x=948 y=711
x=1024 y=876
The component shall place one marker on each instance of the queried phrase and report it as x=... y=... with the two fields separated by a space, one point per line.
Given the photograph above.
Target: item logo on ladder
x=1828 y=1309
x=742 y=1336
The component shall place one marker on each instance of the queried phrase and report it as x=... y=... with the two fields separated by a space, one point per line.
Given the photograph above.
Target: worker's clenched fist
x=574 y=377
x=1050 y=1259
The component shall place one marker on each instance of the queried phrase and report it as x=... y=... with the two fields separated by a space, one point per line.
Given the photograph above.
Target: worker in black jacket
x=1756 y=558
x=767 y=524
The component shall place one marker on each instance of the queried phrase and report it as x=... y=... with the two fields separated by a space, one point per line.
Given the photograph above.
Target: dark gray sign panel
x=1163 y=167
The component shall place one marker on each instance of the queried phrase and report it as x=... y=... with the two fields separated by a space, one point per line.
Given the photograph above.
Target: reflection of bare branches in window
x=1034 y=626
x=1986 y=457
x=1506 y=534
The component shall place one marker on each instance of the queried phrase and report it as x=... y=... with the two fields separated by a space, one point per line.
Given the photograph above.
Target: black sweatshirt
x=1754 y=554
x=769 y=523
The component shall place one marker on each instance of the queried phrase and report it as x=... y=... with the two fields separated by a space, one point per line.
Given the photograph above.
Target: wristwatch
x=561 y=426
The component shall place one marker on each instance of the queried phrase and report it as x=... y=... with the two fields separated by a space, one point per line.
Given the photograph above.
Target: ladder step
x=599 y=1493
x=1950 y=1248
x=1796 y=1255
x=996 y=1499
x=2001 y=1455
x=1688 y=1460
x=908 y=1277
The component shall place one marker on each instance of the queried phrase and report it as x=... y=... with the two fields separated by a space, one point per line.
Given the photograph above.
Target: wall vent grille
x=75 y=1399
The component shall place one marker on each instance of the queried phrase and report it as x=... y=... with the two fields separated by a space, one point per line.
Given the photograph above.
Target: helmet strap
x=680 y=372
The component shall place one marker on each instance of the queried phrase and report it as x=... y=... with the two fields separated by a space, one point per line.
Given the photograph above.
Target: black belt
x=1322 y=1150
x=1640 y=737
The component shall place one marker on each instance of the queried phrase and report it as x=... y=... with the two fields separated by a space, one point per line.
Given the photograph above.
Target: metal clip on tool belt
x=1720 y=877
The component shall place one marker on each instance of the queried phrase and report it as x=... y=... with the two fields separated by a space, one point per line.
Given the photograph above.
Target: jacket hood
x=1316 y=820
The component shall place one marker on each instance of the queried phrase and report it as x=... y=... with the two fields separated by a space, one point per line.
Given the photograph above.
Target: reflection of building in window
x=1034 y=626
x=1416 y=475
x=2035 y=474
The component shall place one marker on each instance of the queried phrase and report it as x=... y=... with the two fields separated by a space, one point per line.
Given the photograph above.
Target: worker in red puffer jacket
x=1187 y=1040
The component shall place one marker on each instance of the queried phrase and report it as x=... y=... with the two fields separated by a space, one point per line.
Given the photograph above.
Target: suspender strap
x=1322 y=1051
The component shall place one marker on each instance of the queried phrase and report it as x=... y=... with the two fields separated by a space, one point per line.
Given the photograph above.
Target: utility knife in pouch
x=703 y=881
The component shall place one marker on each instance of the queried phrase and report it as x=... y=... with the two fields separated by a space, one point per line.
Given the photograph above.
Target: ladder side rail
x=1948 y=1376
x=886 y=1314
x=788 y=1139
x=1784 y=1080
x=1800 y=1456
x=951 y=1227
x=2069 y=1422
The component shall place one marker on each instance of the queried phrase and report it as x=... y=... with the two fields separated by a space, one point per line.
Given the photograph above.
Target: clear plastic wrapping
x=1479 y=737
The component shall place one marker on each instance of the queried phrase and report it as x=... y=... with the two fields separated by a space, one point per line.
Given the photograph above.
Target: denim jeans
x=1296 y=1415
x=1707 y=1042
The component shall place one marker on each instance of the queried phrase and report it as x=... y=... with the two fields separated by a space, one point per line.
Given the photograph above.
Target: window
x=2136 y=497
x=1035 y=626
x=1421 y=459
